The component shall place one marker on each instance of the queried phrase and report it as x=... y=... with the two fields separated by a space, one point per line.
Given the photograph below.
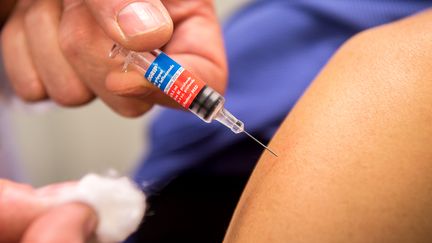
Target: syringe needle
x=171 y=78
x=256 y=140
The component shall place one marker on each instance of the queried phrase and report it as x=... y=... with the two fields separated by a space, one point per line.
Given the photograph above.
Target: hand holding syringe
x=183 y=87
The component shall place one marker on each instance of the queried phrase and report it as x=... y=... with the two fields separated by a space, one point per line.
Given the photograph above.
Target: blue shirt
x=275 y=49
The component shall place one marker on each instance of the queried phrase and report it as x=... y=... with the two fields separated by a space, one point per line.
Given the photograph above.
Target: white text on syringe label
x=174 y=80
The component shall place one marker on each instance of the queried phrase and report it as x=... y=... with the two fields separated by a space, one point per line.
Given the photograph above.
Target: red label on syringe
x=185 y=88
x=175 y=81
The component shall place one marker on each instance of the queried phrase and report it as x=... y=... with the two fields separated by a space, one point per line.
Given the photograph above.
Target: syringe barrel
x=183 y=87
x=178 y=83
x=207 y=104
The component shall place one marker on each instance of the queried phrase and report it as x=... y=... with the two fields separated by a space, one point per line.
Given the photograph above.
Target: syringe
x=183 y=87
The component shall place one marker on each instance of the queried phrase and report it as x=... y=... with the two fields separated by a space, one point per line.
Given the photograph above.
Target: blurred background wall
x=56 y=144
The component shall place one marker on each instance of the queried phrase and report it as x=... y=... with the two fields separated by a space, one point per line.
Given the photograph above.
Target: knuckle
x=33 y=90
x=71 y=41
x=68 y=42
x=130 y=113
x=12 y=27
x=133 y=111
x=72 y=97
x=38 y=14
x=7 y=33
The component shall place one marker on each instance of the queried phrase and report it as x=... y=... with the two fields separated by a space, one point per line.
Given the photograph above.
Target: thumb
x=73 y=222
x=140 y=25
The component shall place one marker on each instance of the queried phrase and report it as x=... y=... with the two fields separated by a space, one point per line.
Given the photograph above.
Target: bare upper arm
x=355 y=155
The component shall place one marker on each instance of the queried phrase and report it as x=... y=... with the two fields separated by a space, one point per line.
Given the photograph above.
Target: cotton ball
x=118 y=202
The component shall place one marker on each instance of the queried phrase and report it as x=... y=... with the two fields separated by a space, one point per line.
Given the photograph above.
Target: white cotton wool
x=118 y=202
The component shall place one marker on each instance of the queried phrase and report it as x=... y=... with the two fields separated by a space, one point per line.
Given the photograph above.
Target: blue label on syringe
x=179 y=84
x=163 y=72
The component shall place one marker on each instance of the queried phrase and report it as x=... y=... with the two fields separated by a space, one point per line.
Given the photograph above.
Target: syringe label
x=175 y=81
x=161 y=71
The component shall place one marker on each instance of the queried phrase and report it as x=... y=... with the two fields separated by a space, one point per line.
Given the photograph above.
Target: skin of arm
x=355 y=154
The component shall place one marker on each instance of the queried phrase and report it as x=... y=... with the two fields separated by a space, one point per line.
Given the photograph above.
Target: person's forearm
x=355 y=157
x=6 y=7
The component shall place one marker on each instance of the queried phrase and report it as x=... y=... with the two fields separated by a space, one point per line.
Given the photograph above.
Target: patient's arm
x=355 y=155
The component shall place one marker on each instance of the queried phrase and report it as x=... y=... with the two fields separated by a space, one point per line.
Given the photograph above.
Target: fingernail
x=140 y=17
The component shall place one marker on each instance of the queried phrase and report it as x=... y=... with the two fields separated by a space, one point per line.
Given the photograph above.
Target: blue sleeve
x=275 y=49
